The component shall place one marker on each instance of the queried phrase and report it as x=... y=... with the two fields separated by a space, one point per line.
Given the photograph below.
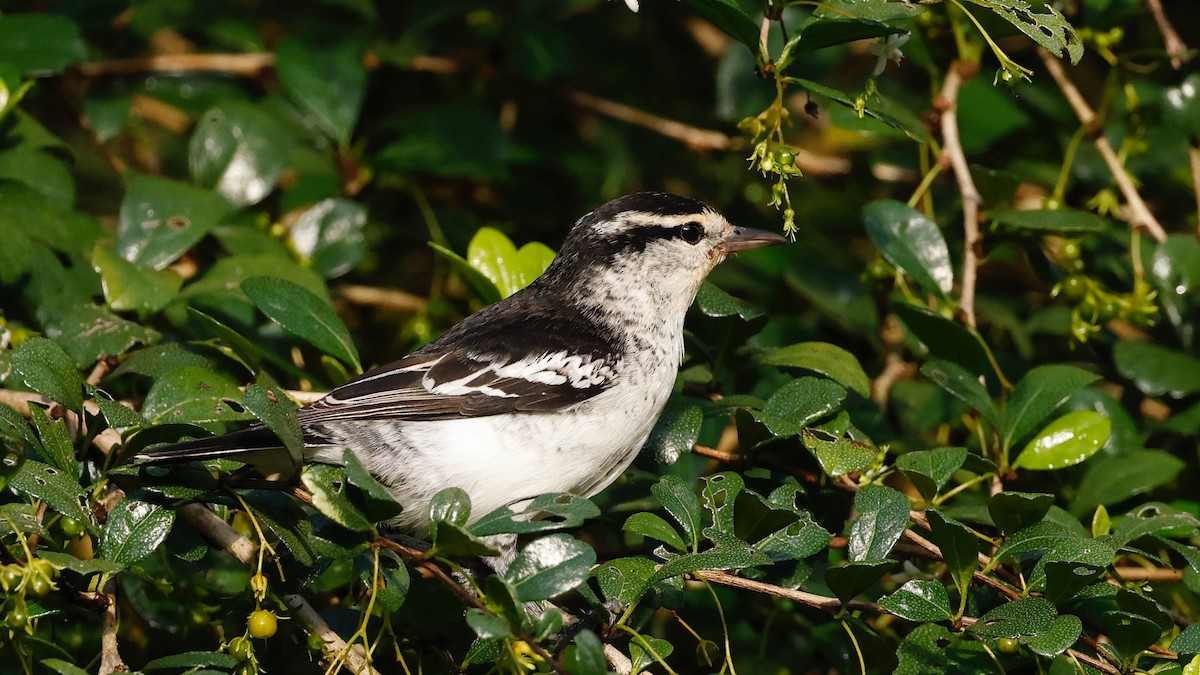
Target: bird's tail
x=227 y=445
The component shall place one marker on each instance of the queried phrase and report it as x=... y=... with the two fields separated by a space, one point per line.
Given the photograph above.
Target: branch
x=110 y=658
x=1176 y=49
x=246 y=65
x=1140 y=217
x=620 y=663
x=384 y=298
x=947 y=104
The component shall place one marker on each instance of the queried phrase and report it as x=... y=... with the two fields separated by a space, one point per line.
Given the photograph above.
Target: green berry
x=11 y=576
x=1069 y=252
x=262 y=624
x=784 y=156
x=1074 y=288
x=17 y=618
x=241 y=649
x=1008 y=645
x=69 y=527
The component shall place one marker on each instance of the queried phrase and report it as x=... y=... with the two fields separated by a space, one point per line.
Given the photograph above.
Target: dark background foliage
x=952 y=428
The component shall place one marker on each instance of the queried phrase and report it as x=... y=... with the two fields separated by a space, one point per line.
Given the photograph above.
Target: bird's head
x=660 y=240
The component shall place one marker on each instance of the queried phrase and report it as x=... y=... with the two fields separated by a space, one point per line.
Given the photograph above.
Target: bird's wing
x=457 y=383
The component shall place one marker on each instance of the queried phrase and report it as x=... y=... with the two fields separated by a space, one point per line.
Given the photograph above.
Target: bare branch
x=947 y=103
x=110 y=658
x=384 y=298
x=1176 y=49
x=1140 y=216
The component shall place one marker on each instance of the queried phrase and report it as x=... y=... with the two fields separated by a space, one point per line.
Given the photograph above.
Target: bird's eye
x=691 y=232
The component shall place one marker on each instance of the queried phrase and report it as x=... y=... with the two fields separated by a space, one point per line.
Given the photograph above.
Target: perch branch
x=110 y=658
x=384 y=298
x=947 y=104
x=1140 y=217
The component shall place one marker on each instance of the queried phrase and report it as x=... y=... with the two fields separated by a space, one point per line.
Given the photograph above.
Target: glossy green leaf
x=719 y=495
x=1157 y=370
x=840 y=455
x=1027 y=616
x=82 y=567
x=945 y=339
x=654 y=527
x=1060 y=637
x=1041 y=536
x=1012 y=510
x=330 y=236
x=729 y=17
x=882 y=517
x=304 y=315
x=646 y=651
x=544 y=513
x=60 y=491
x=327 y=80
x=959 y=548
x=487 y=625
x=550 y=566
x=378 y=504
x=450 y=505
x=134 y=529
x=824 y=33
x=848 y=580
x=1092 y=555
x=720 y=558
x=1188 y=641
x=56 y=448
x=1039 y=394
x=588 y=657
x=879 y=108
x=88 y=332
x=40 y=44
x=1062 y=222
x=1175 y=270
x=238 y=150
x=676 y=430
x=327 y=485
x=130 y=286
x=911 y=242
x=1109 y=480
x=796 y=541
x=272 y=406
x=1047 y=28
x=483 y=286
x=713 y=301
x=1129 y=632
x=962 y=385
x=799 y=403
x=1066 y=441
x=188 y=660
x=194 y=395
x=43 y=172
x=679 y=499
x=45 y=368
x=930 y=470
x=919 y=600
x=830 y=360
x=625 y=579
x=162 y=219
x=508 y=268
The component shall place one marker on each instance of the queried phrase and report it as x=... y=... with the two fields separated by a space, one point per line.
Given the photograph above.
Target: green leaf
x=646 y=651
x=919 y=600
x=589 y=655
x=930 y=470
x=1181 y=106
x=193 y=660
x=882 y=517
x=944 y=338
x=838 y=456
x=719 y=558
x=1041 y=536
x=1012 y=511
x=238 y=150
x=498 y=259
x=1130 y=633
x=712 y=301
x=799 y=403
x=1187 y=643
x=377 y=503
x=487 y=625
x=56 y=441
x=162 y=219
x=193 y=395
x=450 y=505
x=1110 y=480
x=729 y=17
x=796 y=541
x=831 y=361
x=823 y=33
x=719 y=495
x=1061 y=635
x=63 y=667
x=61 y=492
x=911 y=242
x=676 y=430
x=45 y=368
x=1049 y=29
x=40 y=44
x=625 y=579
x=550 y=566
x=134 y=529
x=1175 y=270
x=131 y=286
x=272 y=406
x=483 y=287
x=88 y=332
x=877 y=107
x=853 y=578
x=959 y=547
x=42 y=172
x=304 y=315
x=1091 y=556
x=964 y=386
x=327 y=484
x=328 y=80
x=1066 y=441
x=1157 y=370
x=678 y=498
x=546 y=512
x=331 y=236
x=1027 y=616
x=875 y=10
x=1039 y=394
x=650 y=525
x=1062 y=222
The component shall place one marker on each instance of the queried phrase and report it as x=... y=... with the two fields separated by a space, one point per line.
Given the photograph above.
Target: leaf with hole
x=45 y=368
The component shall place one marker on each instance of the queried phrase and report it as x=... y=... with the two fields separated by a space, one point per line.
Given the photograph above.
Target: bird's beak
x=744 y=238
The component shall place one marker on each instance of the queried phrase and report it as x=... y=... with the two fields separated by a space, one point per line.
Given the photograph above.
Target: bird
x=554 y=389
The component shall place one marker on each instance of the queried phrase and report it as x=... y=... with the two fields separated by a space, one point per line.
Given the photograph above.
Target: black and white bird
x=554 y=389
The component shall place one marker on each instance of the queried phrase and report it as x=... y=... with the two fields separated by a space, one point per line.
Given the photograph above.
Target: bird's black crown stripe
x=657 y=203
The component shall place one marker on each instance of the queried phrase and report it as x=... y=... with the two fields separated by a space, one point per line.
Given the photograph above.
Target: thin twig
x=249 y=64
x=385 y=298
x=947 y=103
x=810 y=599
x=620 y=663
x=1140 y=217
x=1194 y=161
x=1176 y=49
